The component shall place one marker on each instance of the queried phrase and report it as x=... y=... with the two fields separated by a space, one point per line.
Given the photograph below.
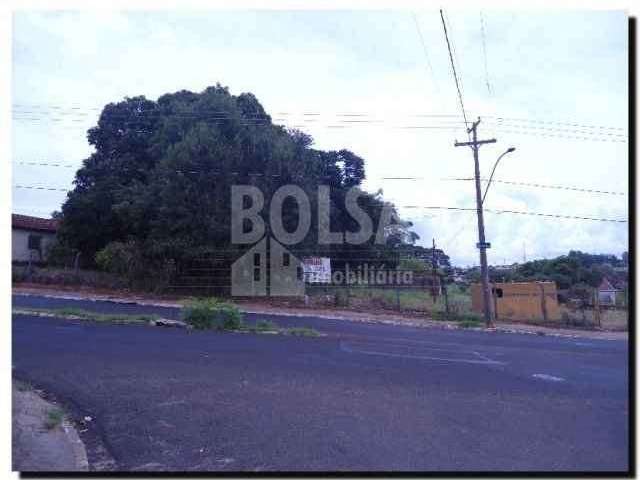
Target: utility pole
x=434 y=271
x=482 y=244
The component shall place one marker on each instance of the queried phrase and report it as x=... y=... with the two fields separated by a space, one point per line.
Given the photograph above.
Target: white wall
x=20 y=244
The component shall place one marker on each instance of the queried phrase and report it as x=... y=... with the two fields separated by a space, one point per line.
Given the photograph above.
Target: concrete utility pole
x=482 y=244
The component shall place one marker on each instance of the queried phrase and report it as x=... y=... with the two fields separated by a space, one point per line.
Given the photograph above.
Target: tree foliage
x=159 y=181
x=576 y=268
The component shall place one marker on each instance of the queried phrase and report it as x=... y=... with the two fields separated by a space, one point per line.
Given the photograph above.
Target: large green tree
x=162 y=171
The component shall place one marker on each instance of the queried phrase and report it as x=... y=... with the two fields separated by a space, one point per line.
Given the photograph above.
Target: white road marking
x=425 y=353
x=550 y=378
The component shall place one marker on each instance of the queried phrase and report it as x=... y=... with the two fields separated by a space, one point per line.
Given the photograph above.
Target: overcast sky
x=539 y=80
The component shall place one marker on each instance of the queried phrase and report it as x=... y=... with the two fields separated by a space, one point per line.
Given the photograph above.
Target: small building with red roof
x=31 y=238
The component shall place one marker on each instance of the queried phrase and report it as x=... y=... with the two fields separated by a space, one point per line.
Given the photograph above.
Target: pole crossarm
x=474 y=144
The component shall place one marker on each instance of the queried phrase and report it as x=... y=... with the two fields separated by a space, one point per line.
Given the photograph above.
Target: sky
x=553 y=85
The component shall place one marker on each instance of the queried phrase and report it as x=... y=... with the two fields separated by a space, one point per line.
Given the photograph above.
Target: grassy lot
x=616 y=320
x=416 y=300
x=403 y=298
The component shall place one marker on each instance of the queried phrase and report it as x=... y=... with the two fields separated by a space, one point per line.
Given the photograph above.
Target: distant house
x=252 y=275
x=607 y=292
x=31 y=238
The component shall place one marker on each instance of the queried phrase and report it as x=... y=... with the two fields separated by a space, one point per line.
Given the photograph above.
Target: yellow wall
x=520 y=301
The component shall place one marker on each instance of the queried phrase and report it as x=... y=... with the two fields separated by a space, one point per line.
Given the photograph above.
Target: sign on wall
x=316 y=269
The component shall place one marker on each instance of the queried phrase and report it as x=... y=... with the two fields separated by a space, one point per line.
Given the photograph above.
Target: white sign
x=316 y=269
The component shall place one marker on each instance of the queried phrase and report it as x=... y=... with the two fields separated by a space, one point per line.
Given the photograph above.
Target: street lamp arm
x=509 y=150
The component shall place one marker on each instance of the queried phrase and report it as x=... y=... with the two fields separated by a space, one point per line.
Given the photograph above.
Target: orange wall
x=520 y=301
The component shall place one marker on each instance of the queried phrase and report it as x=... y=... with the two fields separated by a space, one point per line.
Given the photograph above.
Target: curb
x=431 y=324
x=79 y=450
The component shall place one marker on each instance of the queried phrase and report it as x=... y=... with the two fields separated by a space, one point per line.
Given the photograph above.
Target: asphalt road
x=363 y=397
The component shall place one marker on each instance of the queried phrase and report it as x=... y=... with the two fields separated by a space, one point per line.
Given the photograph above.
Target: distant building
x=607 y=292
x=31 y=238
x=520 y=300
x=253 y=276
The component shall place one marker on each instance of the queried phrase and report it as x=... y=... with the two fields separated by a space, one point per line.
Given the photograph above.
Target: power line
x=453 y=68
x=506 y=182
x=423 y=207
x=41 y=187
x=542 y=185
x=44 y=164
x=223 y=115
x=437 y=119
x=553 y=132
x=510 y=182
x=456 y=58
x=426 y=53
x=484 y=54
x=515 y=212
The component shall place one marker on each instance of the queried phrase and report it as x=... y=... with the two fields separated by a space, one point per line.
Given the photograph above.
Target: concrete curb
x=372 y=320
x=38 y=448
x=79 y=450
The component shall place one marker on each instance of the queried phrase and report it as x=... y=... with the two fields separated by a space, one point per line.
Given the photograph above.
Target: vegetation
x=301 y=332
x=575 y=270
x=155 y=194
x=406 y=298
x=61 y=276
x=54 y=418
x=79 y=313
x=211 y=313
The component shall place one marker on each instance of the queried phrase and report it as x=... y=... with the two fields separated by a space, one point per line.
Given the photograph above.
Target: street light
x=509 y=150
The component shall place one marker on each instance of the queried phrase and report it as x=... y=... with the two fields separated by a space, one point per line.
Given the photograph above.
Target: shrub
x=341 y=298
x=54 y=418
x=266 y=325
x=208 y=313
x=118 y=257
x=141 y=267
x=60 y=255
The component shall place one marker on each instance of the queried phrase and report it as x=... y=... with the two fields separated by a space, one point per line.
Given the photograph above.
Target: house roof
x=606 y=285
x=27 y=222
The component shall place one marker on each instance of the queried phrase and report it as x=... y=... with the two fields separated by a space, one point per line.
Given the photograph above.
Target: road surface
x=363 y=397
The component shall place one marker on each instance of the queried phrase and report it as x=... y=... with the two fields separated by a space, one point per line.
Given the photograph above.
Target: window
x=256 y=274
x=299 y=272
x=35 y=241
x=256 y=259
x=498 y=292
x=286 y=259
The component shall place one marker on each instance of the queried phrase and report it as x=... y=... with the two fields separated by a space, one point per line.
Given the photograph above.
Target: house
x=607 y=292
x=252 y=275
x=31 y=238
x=520 y=300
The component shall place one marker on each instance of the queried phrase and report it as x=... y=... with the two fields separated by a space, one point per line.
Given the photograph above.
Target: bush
x=61 y=255
x=341 y=298
x=211 y=313
x=137 y=264
x=118 y=257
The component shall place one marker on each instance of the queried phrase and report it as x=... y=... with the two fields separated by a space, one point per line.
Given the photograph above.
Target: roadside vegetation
x=54 y=418
x=212 y=313
x=401 y=299
x=198 y=314
x=81 y=314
